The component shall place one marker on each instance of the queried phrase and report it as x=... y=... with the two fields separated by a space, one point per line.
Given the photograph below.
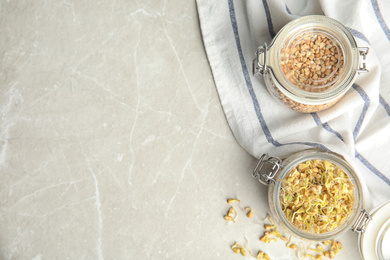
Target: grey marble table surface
x=113 y=141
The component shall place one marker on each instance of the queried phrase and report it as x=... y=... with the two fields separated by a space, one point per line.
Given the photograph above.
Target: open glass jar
x=311 y=63
x=316 y=195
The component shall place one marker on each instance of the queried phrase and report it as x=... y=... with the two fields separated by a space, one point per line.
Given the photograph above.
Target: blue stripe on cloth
x=357 y=154
x=269 y=20
x=366 y=105
x=380 y=19
x=358 y=34
x=372 y=168
x=288 y=10
x=248 y=82
x=326 y=126
x=384 y=104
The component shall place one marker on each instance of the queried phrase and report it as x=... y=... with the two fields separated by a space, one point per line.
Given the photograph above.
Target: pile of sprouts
x=317 y=196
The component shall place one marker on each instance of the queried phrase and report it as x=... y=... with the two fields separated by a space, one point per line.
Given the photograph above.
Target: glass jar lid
x=374 y=242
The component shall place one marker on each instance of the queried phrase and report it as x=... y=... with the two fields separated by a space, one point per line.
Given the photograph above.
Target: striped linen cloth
x=357 y=127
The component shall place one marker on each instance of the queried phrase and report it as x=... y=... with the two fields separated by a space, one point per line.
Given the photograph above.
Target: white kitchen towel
x=357 y=127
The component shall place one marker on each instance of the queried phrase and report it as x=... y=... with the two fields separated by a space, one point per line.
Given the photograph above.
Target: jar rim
x=340 y=85
x=312 y=154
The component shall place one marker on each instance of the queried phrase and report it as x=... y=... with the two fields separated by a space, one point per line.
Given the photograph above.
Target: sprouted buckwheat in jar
x=317 y=196
x=314 y=194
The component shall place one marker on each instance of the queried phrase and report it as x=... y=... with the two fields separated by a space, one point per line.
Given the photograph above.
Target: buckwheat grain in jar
x=317 y=195
x=311 y=63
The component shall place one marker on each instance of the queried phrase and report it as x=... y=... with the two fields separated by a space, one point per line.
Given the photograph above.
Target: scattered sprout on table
x=230 y=201
x=271 y=234
x=250 y=212
x=262 y=256
x=231 y=214
x=238 y=249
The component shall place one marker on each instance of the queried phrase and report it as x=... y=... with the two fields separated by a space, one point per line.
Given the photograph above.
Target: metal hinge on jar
x=361 y=222
x=363 y=51
x=266 y=169
x=259 y=65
